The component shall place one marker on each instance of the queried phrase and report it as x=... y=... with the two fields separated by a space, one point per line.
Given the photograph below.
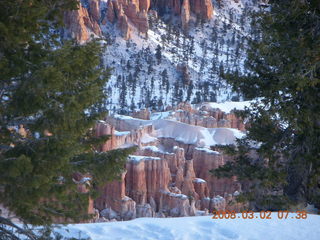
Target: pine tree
x=165 y=80
x=123 y=97
x=158 y=54
x=55 y=93
x=284 y=121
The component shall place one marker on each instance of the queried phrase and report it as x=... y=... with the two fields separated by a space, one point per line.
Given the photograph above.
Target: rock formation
x=202 y=8
x=81 y=23
x=129 y=15
x=141 y=114
x=185 y=14
x=167 y=176
x=208 y=117
x=94 y=10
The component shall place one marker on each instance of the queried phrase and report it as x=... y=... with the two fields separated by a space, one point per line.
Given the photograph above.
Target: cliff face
x=81 y=23
x=166 y=176
x=129 y=15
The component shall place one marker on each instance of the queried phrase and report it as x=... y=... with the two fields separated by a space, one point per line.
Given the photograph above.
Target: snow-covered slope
x=170 y=65
x=201 y=228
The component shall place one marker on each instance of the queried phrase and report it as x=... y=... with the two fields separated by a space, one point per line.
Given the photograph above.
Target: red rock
x=174 y=205
x=74 y=21
x=145 y=210
x=201 y=188
x=185 y=14
x=133 y=13
x=217 y=203
x=80 y=24
x=144 y=5
x=235 y=122
x=135 y=179
x=175 y=161
x=202 y=8
x=176 y=6
x=124 y=27
x=111 y=195
x=204 y=161
x=110 y=15
x=187 y=187
x=102 y=129
x=146 y=178
x=166 y=186
x=128 y=209
x=94 y=10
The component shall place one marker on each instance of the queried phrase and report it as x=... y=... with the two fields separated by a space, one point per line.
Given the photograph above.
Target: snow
x=200 y=228
x=122 y=117
x=160 y=115
x=101 y=121
x=237 y=133
x=217 y=199
x=202 y=137
x=148 y=139
x=136 y=158
x=183 y=132
x=155 y=149
x=85 y=180
x=199 y=180
x=227 y=107
x=127 y=145
x=118 y=133
x=37 y=135
x=126 y=198
x=226 y=136
x=236 y=193
x=221 y=41
x=176 y=195
x=132 y=122
x=208 y=150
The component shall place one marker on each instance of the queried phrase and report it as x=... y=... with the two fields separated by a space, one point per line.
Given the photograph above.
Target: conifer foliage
x=51 y=94
x=284 y=121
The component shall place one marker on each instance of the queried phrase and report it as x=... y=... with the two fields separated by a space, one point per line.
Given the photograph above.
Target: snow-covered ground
x=201 y=228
